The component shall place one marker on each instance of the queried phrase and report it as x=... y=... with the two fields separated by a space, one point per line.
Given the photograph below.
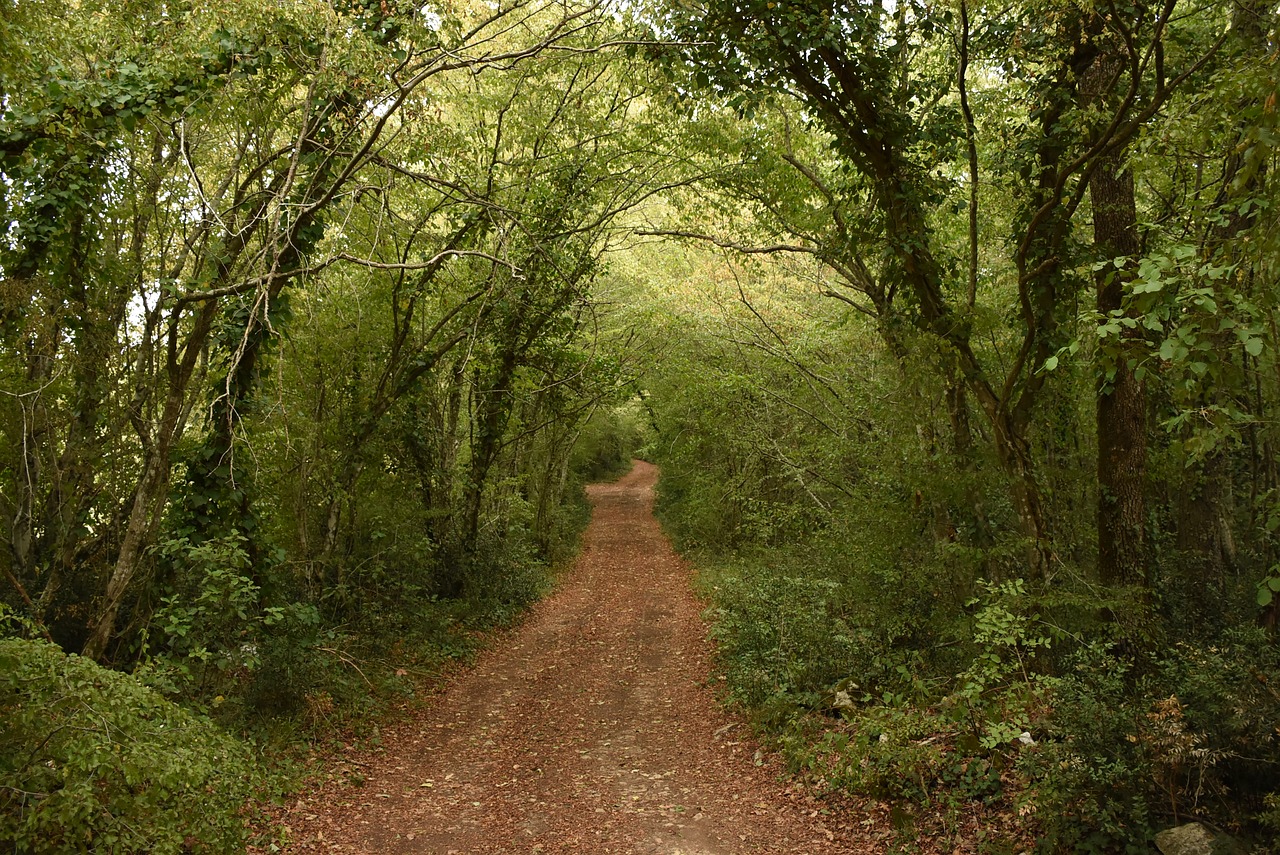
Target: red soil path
x=588 y=729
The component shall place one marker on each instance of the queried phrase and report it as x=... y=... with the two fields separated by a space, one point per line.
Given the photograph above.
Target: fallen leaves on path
x=589 y=729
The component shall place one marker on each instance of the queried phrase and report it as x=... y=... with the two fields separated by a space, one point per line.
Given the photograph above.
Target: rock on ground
x=1196 y=839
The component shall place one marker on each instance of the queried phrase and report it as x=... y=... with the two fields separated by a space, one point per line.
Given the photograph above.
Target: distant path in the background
x=588 y=729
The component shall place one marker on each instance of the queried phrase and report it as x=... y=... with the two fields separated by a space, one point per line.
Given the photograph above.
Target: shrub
x=1226 y=747
x=1091 y=777
x=202 y=640
x=1195 y=735
x=783 y=635
x=92 y=761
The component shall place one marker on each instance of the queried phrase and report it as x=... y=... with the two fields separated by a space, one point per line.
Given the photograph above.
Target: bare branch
x=248 y=285
x=728 y=244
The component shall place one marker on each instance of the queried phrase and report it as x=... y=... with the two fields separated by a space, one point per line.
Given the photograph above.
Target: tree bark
x=1122 y=399
x=148 y=497
x=1204 y=520
x=1206 y=500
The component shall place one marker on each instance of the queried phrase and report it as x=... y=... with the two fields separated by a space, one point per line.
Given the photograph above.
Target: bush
x=1194 y=736
x=92 y=761
x=1228 y=708
x=787 y=631
x=504 y=578
x=1090 y=777
x=202 y=640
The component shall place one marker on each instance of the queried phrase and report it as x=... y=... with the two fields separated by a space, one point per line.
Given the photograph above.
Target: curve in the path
x=590 y=730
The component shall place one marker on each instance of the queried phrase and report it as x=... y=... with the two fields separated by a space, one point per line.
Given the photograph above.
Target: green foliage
x=1090 y=780
x=1120 y=755
x=204 y=635
x=293 y=662
x=304 y=360
x=92 y=761
x=872 y=614
x=784 y=635
x=1212 y=722
x=504 y=578
x=1269 y=586
x=1270 y=817
x=1003 y=682
x=1193 y=318
x=608 y=441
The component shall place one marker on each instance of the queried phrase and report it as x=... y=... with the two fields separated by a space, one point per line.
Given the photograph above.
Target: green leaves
x=92 y=761
x=1269 y=587
x=1191 y=317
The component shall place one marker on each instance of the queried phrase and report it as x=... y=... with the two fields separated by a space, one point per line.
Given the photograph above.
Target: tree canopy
x=953 y=327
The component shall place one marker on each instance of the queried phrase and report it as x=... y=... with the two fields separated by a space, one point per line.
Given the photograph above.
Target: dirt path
x=590 y=730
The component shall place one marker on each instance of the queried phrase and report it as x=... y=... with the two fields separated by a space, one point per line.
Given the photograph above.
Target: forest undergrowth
x=953 y=326
x=993 y=712
x=234 y=715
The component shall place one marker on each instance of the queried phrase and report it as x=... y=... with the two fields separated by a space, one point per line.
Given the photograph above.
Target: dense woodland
x=952 y=326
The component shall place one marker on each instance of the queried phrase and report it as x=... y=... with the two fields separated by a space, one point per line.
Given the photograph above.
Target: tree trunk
x=148 y=496
x=1014 y=455
x=146 y=501
x=1122 y=399
x=1204 y=522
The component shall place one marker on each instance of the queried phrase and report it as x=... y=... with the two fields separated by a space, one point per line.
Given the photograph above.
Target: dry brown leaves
x=587 y=729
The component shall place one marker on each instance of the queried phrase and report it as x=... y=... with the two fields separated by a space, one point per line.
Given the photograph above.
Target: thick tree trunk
x=1121 y=477
x=1122 y=400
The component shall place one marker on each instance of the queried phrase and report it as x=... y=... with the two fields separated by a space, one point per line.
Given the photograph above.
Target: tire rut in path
x=589 y=729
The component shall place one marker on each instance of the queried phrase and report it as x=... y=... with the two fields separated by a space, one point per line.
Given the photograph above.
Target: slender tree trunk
x=146 y=501
x=148 y=497
x=1206 y=501
x=491 y=417
x=1014 y=454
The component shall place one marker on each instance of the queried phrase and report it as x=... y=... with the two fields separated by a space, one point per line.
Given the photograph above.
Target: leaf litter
x=591 y=728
